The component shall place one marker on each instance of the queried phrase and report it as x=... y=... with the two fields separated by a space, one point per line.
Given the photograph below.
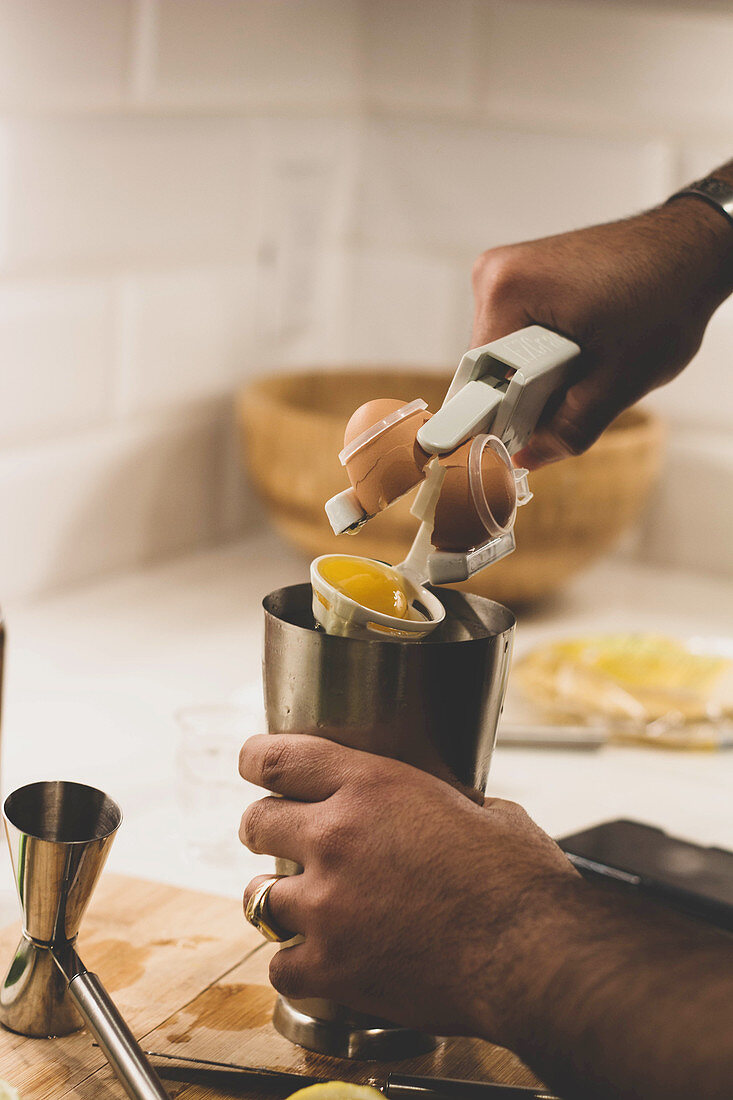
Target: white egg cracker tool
x=497 y=396
x=500 y=389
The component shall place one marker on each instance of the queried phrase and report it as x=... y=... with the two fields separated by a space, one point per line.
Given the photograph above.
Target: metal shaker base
x=349 y=1035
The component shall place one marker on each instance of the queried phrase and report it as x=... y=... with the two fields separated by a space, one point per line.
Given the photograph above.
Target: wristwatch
x=714 y=191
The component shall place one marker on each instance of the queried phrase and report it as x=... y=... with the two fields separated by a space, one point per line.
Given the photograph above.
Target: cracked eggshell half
x=478 y=499
x=381 y=453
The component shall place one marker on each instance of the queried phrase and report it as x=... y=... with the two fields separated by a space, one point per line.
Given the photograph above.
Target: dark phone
x=686 y=876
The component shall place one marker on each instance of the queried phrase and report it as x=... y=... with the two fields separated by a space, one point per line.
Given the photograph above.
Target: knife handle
x=401 y=1087
x=132 y=1068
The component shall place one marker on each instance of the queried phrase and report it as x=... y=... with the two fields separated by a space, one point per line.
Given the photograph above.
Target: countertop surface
x=197 y=995
x=94 y=678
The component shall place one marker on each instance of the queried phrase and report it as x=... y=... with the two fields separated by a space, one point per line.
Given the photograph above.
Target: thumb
x=570 y=428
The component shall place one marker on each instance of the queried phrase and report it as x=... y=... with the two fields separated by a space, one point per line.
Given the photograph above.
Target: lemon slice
x=337 y=1090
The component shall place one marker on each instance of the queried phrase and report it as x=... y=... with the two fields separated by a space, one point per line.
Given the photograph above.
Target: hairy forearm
x=608 y=993
x=707 y=235
x=680 y=251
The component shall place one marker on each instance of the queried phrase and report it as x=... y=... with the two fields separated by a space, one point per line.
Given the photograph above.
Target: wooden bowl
x=292 y=428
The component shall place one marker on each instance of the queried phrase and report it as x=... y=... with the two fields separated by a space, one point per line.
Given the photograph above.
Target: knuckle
x=248 y=755
x=250 y=830
x=275 y=762
x=511 y=810
x=504 y=805
x=497 y=272
x=479 y=268
x=322 y=906
x=508 y=283
x=573 y=438
x=580 y=420
x=376 y=774
x=334 y=842
x=575 y=445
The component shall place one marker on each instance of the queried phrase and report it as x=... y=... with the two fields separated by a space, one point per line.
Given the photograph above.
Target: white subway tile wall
x=106 y=192
x=194 y=192
x=420 y=54
x=111 y=498
x=57 y=348
x=68 y=56
x=188 y=334
x=290 y=53
x=607 y=64
x=416 y=298
x=459 y=187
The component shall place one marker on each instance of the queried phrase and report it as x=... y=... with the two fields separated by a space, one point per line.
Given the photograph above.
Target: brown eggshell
x=390 y=464
x=370 y=413
x=458 y=523
x=499 y=486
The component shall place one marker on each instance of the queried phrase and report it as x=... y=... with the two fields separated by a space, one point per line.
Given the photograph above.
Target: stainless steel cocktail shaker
x=434 y=704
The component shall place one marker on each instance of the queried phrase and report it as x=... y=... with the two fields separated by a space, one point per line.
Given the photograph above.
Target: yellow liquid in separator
x=367 y=583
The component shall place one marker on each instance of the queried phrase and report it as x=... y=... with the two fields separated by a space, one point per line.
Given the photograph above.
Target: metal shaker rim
x=469 y=619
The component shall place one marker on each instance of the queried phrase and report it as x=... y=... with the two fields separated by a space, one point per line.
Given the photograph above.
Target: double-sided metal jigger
x=59 y=836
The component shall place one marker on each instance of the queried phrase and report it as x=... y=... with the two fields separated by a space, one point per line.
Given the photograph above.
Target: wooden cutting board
x=190 y=977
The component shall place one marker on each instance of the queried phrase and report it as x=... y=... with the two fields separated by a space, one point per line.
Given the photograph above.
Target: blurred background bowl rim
x=637 y=420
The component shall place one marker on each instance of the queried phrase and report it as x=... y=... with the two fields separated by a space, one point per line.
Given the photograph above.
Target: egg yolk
x=367 y=583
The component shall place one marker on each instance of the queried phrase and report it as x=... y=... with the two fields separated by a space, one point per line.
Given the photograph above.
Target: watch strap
x=716 y=192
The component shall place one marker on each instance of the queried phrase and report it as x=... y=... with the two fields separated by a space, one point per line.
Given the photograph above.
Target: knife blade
x=228 y=1074
x=395 y=1086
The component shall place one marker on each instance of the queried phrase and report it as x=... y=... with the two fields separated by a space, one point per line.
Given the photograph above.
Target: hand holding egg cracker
x=469 y=488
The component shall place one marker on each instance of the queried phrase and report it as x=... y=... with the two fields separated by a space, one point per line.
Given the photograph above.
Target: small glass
x=211 y=794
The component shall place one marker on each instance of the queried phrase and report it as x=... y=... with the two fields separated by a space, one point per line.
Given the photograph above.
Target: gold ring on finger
x=256 y=912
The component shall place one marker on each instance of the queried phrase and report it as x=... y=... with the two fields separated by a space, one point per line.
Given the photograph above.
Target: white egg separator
x=338 y=614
